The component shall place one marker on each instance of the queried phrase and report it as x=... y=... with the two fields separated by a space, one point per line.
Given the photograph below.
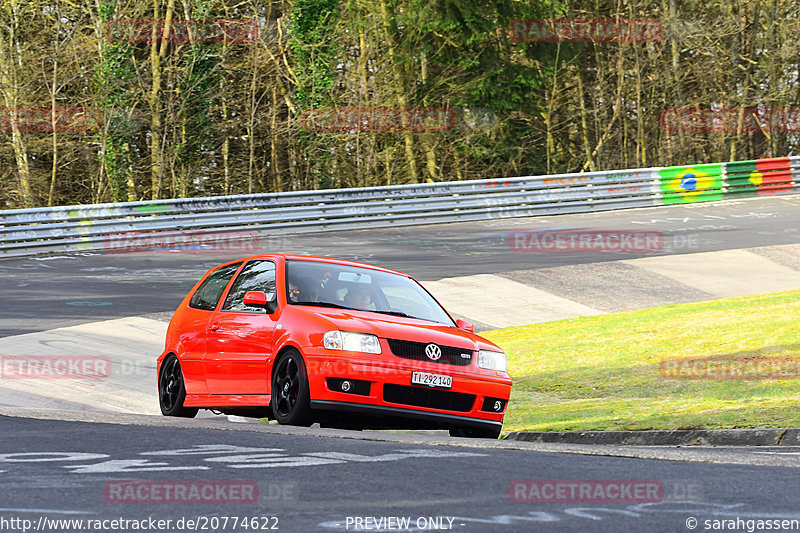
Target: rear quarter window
x=209 y=292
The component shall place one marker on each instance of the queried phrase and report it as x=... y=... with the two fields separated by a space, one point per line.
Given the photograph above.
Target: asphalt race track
x=308 y=483
x=87 y=465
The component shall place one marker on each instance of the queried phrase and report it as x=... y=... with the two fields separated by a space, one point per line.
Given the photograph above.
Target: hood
x=395 y=327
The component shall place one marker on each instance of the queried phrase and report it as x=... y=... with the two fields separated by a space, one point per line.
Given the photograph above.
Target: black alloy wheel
x=172 y=391
x=290 y=395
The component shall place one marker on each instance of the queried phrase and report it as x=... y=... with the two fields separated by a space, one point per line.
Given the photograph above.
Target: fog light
x=350 y=386
x=493 y=405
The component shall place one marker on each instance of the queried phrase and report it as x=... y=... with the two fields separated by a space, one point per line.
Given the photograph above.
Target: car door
x=194 y=323
x=239 y=338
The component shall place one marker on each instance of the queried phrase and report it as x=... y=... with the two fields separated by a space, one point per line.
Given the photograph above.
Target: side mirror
x=466 y=326
x=259 y=299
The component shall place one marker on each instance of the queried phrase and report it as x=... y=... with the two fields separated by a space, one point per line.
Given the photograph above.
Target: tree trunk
x=157 y=54
x=400 y=93
x=587 y=151
x=10 y=70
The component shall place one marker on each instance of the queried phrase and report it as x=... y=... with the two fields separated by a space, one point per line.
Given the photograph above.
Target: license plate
x=431 y=380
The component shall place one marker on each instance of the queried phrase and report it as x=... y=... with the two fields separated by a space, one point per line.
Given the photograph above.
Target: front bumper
x=381 y=386
x=415 y=418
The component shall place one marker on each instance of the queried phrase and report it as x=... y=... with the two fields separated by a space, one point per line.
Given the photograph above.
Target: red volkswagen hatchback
x=303 y=339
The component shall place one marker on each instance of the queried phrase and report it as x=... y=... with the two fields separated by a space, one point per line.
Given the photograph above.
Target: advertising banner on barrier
x=758 y=177
x=690 y=184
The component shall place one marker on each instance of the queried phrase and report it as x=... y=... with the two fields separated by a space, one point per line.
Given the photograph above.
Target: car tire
x=290 y=396
x=172 y=390
x=475 y=433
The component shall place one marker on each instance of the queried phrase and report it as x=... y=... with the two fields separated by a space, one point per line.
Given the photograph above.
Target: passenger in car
x=358 y=298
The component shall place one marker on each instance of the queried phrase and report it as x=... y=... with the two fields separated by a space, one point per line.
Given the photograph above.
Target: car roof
x=343 y=262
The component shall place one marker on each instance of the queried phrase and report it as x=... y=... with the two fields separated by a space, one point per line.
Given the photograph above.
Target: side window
x=208 y=293
x=255 y=276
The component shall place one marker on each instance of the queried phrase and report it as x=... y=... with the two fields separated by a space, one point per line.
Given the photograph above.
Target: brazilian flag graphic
x=758 y=177
x=687 y=185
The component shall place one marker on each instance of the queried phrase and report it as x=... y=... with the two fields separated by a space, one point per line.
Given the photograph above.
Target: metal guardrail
x=113 y=226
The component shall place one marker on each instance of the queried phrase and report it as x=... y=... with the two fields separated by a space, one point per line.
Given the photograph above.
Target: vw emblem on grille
x=433 y=352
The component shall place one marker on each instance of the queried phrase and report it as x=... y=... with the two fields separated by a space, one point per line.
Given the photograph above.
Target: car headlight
x=351 y=342
x=492 y=360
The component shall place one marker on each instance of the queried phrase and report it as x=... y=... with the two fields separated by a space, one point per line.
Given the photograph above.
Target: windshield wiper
x=337 y=306
x=396 y=313
x=400 y=313
x=323 y=304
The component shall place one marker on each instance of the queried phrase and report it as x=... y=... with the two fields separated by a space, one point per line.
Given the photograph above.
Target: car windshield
x=348 y=287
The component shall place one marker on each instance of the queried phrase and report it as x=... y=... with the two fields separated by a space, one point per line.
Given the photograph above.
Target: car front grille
x=425 y=397
x=416 y=350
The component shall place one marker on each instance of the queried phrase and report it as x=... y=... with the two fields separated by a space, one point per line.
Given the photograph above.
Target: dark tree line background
x=191 y=118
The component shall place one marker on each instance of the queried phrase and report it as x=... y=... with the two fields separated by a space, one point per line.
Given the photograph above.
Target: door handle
x=214 y=327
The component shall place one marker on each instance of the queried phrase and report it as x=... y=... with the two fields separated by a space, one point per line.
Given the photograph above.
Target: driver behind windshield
x=303 y=290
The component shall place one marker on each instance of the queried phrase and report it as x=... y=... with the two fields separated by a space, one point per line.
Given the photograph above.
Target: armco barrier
x=89 y=227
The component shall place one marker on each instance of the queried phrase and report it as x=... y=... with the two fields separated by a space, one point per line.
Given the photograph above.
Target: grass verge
x=605 y=372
